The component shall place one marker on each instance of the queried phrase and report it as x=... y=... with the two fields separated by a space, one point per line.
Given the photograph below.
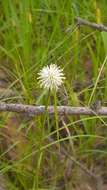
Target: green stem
x=56 y=115
x=46 y=112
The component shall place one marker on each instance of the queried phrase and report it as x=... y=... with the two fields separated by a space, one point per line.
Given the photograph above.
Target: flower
x=51 y=77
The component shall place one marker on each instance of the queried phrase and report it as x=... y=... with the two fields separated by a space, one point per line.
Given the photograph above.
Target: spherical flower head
x=51 y=77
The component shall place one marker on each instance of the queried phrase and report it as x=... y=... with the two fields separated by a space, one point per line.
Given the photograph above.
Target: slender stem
x=56 y=114
x=46 y=111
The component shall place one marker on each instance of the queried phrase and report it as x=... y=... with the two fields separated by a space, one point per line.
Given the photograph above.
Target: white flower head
x=51 y=77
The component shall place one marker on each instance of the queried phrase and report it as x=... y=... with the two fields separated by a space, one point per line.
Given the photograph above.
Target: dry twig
x=33 y=110
x=99 y=27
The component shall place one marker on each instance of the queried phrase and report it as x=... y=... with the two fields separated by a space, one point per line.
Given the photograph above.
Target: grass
x=34 y=34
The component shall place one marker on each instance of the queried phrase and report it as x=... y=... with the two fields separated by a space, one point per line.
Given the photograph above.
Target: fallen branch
x=99 y=27
x=32 y=110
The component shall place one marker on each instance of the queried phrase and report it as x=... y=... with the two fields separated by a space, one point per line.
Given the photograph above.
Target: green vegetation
x=36 y=153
